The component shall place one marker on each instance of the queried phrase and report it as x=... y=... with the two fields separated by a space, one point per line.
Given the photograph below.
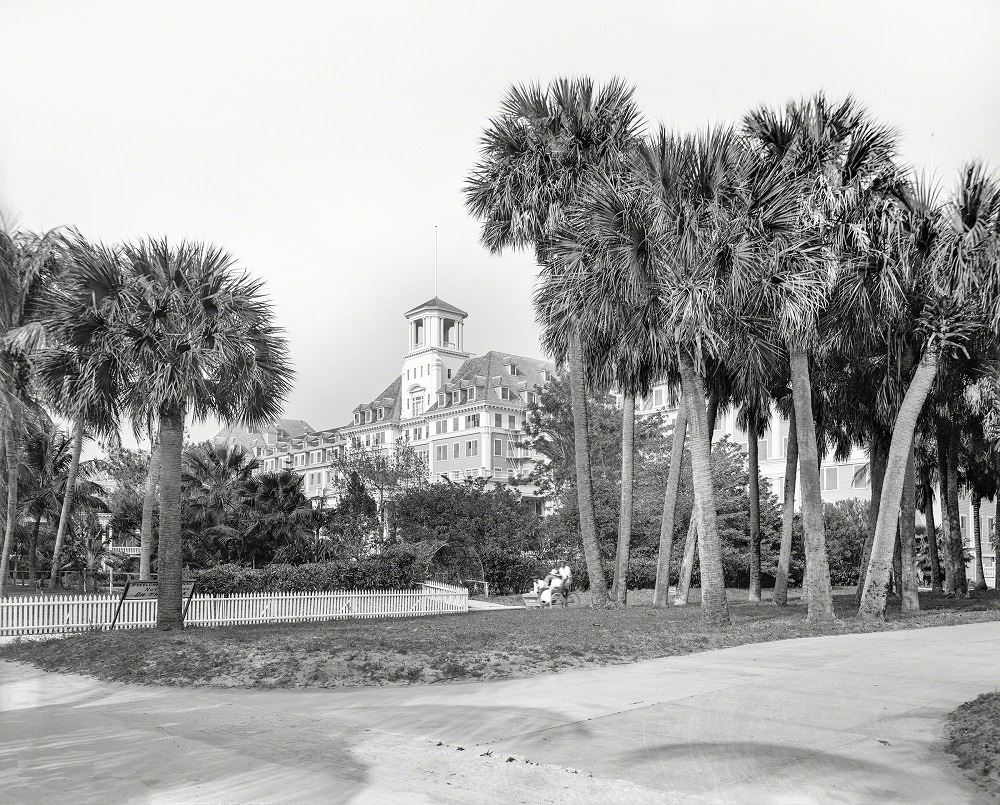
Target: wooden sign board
x=148 y=591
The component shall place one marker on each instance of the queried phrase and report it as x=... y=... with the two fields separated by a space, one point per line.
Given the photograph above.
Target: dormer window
x=507 y=394
x=472 y=393
x=357 y=417
x=512 y=370
x=546 y=375
x=456 y=397
x=368 y=416
x=442 y=400
x=381 y=413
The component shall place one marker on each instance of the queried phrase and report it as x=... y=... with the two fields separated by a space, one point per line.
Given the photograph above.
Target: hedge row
x=392 y=570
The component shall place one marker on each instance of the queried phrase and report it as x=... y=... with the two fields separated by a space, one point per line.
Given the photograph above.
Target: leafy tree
x=384 y=473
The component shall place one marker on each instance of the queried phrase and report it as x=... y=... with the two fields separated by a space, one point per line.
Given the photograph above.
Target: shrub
x=393 y=569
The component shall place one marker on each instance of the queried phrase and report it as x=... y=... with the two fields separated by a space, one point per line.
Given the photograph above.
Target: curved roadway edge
x=852 y=718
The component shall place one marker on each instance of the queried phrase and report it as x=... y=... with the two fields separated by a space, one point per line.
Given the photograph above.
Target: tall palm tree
x=26 y=269
x=188 y=335
x=535 y=156
x=148 y=510
x=834 y=149
x=960 y=288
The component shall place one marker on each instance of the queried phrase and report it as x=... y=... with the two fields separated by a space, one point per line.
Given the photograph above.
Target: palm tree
x=47 y=462
x=960 y=289
x=26 y=269
x=190 y=336
x=837 y=152
x=535 y=156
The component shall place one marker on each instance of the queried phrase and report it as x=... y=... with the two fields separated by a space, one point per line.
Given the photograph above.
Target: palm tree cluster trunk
x=67 y=506
x=584 y=482
x=661 y=592
x=169 y=576
x=818 y=590
x=787 y=515
x=754 y=484
x=619 y=585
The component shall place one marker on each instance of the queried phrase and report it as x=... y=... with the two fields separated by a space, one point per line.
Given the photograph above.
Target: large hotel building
x=464 y=415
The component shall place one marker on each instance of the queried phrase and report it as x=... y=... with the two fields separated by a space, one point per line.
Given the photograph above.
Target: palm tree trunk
x=148 y=508
x=897 y=565
x=168 y=608
x=943 y=476
x=584 y=484
x=955 y=519
x=873 y=596
x=67 y=504
x=661 y=591
x=908 y=580
x=13 y=451
x=619 y=585
x=878 y=454
x=932 y=546
x=787 y=516
x=818 y=591
x=996 y=542
x=713 y=587
x=683 y=596
x=978 y=537
x=33 y=549
x=754 y=461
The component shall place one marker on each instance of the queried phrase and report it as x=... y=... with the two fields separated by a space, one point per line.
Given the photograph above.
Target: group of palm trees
x=147 y=333
x=790 y=261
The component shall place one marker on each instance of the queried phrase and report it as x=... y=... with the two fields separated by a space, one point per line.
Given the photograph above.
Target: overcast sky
x=322 y=142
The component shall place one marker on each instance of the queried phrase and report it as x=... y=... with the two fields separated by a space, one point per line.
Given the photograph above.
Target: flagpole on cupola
x=435 y=260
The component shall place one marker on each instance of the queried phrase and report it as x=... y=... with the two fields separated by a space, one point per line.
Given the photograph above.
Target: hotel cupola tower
x=435 y=351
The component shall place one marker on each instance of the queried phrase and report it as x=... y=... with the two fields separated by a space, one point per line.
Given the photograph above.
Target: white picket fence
x=24 y=615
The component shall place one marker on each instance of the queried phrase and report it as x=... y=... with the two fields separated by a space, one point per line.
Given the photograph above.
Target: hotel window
x=441 y=426
x=831 y=479
x=454 y=424
x=762 y=450
x=441 y=452
x=449 y=374
x=512 y=422
x=300 y=459
x=456 y=396
x=368 y=440
x=472 y=393
x=381 y=413
x=456 y=450
x=442 y=399
x=512 y=370
x=472 y=421
x=498 y=447
x=859 y=479
x=357 y=417
x=963 y=525
x=417 y=405
x=498 y=420
x=368 y=416
x=529 y=397
x=317 y=456
x=658 y=398
x=472 y=448
x=507 y=394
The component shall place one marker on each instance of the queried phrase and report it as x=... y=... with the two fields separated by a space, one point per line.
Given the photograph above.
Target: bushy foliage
x=397 y=568
x=846 y=530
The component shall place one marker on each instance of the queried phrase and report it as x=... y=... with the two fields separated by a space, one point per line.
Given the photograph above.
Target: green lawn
x=481 y=645
x=974 y=739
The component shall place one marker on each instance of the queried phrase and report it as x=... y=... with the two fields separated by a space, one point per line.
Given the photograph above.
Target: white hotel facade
x=465 y=414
